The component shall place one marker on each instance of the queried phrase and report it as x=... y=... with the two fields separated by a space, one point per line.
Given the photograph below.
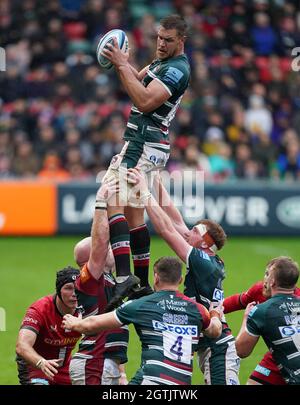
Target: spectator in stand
x=221 y=163
x=52 y=169
x=236 y=49
x=6 y=171
x=195 y=160
x=258 y=118
x=26 y=163
x=288 y=163
x=263 y=35
x=46 y=140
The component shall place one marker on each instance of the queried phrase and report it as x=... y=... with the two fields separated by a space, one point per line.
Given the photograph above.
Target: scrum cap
x=64 y=276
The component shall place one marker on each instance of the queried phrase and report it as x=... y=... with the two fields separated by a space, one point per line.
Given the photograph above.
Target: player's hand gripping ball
x=108 y=39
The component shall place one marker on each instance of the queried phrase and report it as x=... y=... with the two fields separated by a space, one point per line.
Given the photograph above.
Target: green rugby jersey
x=204 y=283
x=152 y=127
x=278 y=322
x=168 y=324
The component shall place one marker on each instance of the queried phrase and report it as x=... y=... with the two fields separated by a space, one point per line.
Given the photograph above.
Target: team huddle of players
x=89 y=303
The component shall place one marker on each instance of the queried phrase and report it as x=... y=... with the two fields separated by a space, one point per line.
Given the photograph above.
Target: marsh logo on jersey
x=218 y=295
x=288 y=331
x=188 y=330
x=292 y=319
x=162 y=304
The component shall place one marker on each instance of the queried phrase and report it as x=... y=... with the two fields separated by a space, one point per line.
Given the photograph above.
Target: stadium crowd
x=63 y=117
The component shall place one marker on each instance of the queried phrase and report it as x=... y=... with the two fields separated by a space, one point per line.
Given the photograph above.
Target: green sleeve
x=174 y=76
x=127 y=313
x=255 y=321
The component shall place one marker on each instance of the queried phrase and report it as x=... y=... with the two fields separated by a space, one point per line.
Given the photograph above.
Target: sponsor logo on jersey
x=189 y=330
x=61 y=342
x=155 y=69
x=156 y=160
x=289 y=330
x=29 y=319
x=262 y=370
x=162 y=304
x=53 y=328
x=292 y=319
x=218 y=295
x=290 y=307
x=175 y=318
x=253 y=310
x=173 y=75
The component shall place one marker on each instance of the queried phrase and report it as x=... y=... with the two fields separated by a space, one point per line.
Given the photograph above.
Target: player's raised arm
x=160 y=220
x=100 y=229
x=146 y=99
x=166 y=203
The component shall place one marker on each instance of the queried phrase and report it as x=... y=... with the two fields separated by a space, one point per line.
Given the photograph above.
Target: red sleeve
x=205 y=316
x=297 y=292
x=32 y=320
x=254 y=293
x=240 y=301
x=233 y=303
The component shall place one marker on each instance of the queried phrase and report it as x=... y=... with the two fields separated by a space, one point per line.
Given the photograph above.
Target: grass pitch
x=28 y=267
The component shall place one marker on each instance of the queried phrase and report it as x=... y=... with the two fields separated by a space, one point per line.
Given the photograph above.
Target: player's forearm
x=160 y=220
x=232 y=303
x=166 y=203
x=134 y=88
x=215 y=328
x=27 y=353
x=100 y=239
x=95 y=324
x=134 y=71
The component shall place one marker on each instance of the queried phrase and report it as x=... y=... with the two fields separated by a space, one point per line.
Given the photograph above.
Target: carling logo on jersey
x=189 y=330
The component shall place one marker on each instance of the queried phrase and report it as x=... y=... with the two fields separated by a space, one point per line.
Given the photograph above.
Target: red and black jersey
x=240 y=301
x=108 y=344
x=91 y=297
x=52 y=342
x=90 y=292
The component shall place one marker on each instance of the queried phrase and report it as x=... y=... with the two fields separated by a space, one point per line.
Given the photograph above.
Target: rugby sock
x=119 y=239
x=140 y=248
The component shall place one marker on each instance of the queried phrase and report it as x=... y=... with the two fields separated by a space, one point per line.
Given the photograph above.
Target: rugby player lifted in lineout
x=156 y=92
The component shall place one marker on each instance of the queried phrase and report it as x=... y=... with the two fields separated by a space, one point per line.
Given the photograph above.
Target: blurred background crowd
x=63 y=117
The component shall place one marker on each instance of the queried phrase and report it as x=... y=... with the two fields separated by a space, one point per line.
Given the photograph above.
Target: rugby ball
x=108 y=39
